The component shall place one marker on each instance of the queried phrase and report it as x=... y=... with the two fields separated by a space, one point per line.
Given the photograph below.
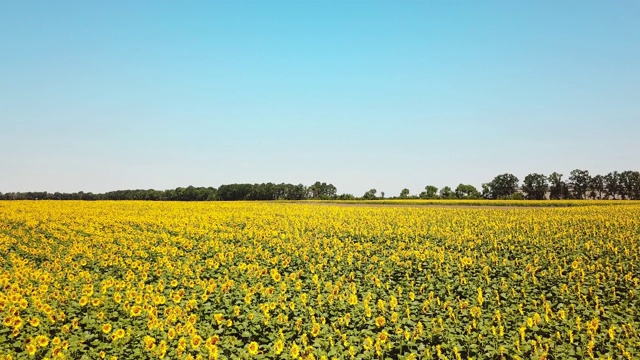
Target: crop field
x=240 y=280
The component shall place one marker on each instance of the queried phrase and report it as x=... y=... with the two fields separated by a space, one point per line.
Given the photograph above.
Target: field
x=222 y=280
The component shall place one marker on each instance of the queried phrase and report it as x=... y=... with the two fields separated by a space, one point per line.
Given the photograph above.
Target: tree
x=322 y=191
x=446 y=193
x=430 y=192
x=596 y=187
x=557 y=189
x=630 y=184
x=535 y=186
x=404 y=193
x=370 y=195
x=382 y=194
x=612 y=185
x=486 y=191
x=502 y=186
x=579 y=181
x=465 y=191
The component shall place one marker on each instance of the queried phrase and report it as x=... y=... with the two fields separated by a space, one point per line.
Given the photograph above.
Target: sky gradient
x=98 y=96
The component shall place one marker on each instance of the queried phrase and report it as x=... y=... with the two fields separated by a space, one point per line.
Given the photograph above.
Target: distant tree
x=382 y=194
x=535 y=186
x=630 y=184
x=370 y=195
x=486 y=191
x=430 y=192
x=612 y=185
x=502 y=186
x=465 y=191
x=596 y=187
x=579 y=181
x=446 y=193
x=322 y=191
x=293 y=192
x=557 y=189
x=404 y=193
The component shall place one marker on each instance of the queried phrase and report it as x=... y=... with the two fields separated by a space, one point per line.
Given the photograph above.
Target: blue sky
x=98 y=96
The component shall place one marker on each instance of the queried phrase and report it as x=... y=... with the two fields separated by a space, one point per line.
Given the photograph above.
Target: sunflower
x=380 y=321
x=8 y=321
x=278 y=347
x=315 y=330
x=31 y=349
x=196 y=341
x=106 y=328
x=34 y=322
x=383 y=337
x=353 y=299
x=367 y=343
x=149 y=342
x=118 y=334
x=253 y=348
x=295 y=351
x=136 y=310
x=42 y=340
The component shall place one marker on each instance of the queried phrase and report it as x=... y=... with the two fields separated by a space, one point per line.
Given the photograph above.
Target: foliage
x=404 y=193
x=579 y=180
x=502 y=186
x=464 y=191
x=370 y=195
x=447 y=193
x=535 y=186
x=430 y=192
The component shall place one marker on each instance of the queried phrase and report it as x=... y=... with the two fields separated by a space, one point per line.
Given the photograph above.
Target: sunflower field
x=259 y=280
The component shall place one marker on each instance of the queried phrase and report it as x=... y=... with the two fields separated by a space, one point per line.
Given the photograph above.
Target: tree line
x=264 y=191
x=579 y=185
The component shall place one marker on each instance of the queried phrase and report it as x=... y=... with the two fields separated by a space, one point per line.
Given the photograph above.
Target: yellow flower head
x=278 y=347
x=42 y=340
x=253 y=348
x=136 y=310
x=353 y=299
x=315 y=330
x=34 y=322
x=31 y=349
x=295 y=351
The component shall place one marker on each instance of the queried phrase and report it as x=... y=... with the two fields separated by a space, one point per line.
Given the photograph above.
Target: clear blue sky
x=105 y=95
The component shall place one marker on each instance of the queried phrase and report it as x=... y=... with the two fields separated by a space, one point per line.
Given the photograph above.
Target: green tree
x=557 y=187
x=465 y=191
x=430 y=192
x=370 y=195
x=579 y=181
x=596 y=187
x=612 y=185
x=502 y=186
x=404 y=193
x=535 y=186
x=446 y=193
x=630 y=184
